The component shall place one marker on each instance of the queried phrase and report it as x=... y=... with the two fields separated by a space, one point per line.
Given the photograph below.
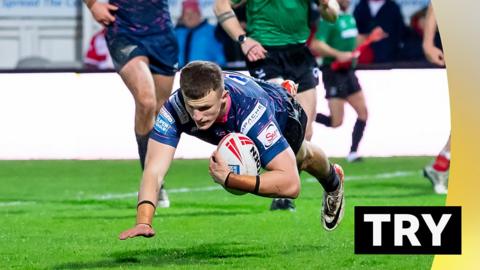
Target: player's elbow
x=221 y=6
x=292 y=187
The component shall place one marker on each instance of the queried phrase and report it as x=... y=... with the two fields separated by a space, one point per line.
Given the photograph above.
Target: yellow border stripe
x=459 y=24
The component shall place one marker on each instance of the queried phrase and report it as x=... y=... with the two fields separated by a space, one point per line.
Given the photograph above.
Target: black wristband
x=225 y=183
x=257 y=185
x=146 y=202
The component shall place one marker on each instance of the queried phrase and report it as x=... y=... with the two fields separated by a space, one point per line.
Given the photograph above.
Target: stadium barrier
x=90 y=116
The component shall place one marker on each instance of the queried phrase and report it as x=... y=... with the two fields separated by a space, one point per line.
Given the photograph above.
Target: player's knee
x=308 y=133
x=300 y=156
x=336 y=122
x=307 y=159
x=363 y=115
x=147 y=105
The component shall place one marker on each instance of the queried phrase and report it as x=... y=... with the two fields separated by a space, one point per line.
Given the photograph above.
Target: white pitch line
x=15 y=203
x=396 y=174
x=389 y=175
x=113 y=196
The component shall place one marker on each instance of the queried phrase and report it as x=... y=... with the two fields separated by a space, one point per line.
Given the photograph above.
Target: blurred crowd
x=199 y=39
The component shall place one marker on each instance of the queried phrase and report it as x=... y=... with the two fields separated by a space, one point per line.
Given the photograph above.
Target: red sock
x=442 y=163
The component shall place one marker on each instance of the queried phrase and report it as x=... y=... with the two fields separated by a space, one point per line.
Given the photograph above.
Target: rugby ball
x=241 y=156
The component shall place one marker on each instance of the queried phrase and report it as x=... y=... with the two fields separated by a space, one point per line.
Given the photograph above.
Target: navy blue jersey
x=141 y=17
x=258 y=109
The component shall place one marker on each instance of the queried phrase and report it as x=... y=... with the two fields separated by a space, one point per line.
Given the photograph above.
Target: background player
x=275 y=50
x=437 y=172
x=144 y=51
x=211 y=104
x=335 y=42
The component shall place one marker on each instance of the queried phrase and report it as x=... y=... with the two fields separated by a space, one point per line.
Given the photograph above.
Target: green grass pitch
x=68 y=214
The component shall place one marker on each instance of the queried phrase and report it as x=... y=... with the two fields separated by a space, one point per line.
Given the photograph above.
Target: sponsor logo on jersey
x=164 y=112
x=252 y=118
x=269 y=135
x=162 y=124
x=179 y=109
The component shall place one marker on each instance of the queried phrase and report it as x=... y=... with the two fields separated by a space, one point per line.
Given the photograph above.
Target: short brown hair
x=198 y=78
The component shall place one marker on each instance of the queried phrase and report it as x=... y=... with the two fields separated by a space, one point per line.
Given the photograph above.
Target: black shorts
x=339 y=84
x=290 y=62
x=294 y=131
x=161 y=50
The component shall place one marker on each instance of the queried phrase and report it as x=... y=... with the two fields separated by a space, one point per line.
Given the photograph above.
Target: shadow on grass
x=164 y=215
x=203 y=254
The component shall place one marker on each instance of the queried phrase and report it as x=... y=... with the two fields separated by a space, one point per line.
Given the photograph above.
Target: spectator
x=196 y=37
x=417 y=21
x=412 y=40
x=98 y=57
x=386 y=14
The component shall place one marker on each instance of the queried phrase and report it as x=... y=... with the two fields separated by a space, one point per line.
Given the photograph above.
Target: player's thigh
x=308 y=100
x=337 y=112
x=301 y=155
x=312 y=159
x=296 y=126
x=162 y=52
x=359 y=104
x=138 y=79
x=163 y=88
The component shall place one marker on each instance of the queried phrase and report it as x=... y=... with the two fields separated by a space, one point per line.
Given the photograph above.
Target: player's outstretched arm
x=158 y=160
x=101 y=12
x=280 y=180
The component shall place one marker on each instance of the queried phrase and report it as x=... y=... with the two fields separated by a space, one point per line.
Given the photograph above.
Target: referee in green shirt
x=275 y=49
